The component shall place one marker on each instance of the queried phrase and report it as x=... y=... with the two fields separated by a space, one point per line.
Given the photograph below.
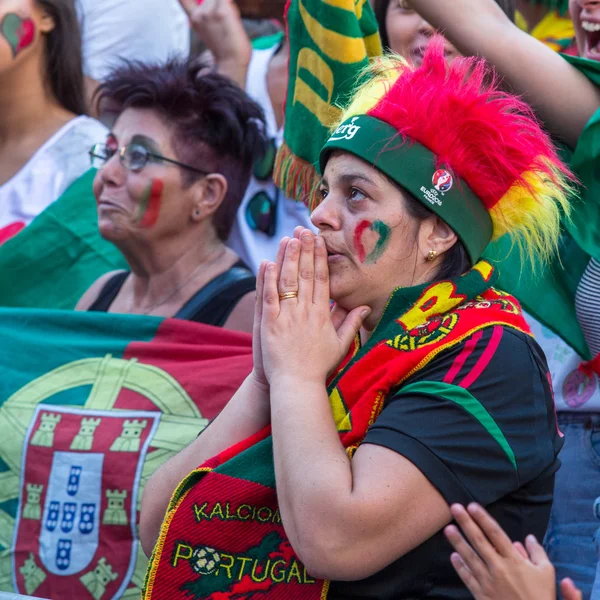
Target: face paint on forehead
x=383 y=232
x=150 y=204
x=19 y=32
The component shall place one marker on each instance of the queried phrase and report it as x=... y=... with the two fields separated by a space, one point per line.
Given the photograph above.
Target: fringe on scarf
x=297 y=178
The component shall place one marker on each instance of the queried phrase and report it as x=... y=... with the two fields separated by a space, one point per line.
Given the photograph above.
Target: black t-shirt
x=479 y=423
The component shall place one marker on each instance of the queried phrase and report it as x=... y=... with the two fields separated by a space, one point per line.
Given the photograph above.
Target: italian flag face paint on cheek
x=150 y=204
x=18 y=32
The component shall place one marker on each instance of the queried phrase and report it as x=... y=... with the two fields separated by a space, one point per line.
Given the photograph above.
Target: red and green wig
x=470 y=152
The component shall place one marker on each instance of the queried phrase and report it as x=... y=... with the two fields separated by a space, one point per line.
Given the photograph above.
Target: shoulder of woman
x=242 y=316
x=493 y=357
x=94 y=290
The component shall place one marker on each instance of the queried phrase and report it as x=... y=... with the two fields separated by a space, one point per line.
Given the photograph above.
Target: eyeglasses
x=133 y=157
x=261 y=212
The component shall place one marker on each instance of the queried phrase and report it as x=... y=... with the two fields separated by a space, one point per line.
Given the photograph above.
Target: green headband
x=413 y=166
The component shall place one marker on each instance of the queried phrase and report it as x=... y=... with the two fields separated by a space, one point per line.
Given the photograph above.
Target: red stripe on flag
x=461 y=359
x=10 y=231
x=484 y=359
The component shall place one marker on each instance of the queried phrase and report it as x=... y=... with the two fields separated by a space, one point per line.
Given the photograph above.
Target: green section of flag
x=267 y=41
x=549 y=294
x=329 y=45
x=36 y=342
x=53 y=261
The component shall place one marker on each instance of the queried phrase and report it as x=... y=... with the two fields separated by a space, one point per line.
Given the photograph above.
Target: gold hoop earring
x=432 y=255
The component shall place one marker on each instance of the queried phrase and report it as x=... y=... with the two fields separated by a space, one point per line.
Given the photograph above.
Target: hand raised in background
x=219 y=25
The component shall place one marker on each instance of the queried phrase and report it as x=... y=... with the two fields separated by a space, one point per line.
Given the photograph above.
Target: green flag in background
x=549 y=296
x=330 y=43
x=52 y=262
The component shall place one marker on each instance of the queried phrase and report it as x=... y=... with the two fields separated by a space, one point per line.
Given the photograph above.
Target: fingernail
x=319 y=241
x=306 y=235
x=271 y=266
x=532 y=538
x=365 y=313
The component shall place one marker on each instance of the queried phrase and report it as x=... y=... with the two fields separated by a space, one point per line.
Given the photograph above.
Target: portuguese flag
x=330 y=43
x=53 y=261
x=91 y=404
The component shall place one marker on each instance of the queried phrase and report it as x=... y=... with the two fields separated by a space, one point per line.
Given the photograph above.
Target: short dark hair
x=381 y=7
x=64 y=61
x=455 y=262
x=215 y=125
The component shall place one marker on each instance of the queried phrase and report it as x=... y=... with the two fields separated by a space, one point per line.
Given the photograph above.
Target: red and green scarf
x=223 y=537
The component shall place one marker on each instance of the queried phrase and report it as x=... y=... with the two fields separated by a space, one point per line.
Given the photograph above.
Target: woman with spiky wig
x=331 y=472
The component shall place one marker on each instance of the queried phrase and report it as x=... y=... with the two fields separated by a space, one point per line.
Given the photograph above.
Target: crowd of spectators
x=180 y=107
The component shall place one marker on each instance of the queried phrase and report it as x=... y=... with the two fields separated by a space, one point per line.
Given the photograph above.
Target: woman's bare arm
x=245 y=414
x=563 y=98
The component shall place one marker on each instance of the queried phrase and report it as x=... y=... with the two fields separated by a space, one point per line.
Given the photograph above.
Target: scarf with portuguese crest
x=223 y=536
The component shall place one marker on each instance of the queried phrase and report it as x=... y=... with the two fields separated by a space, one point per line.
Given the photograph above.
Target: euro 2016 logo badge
x=442 y=181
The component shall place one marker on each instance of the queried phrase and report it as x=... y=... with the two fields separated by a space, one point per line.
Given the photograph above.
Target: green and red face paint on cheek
x=150 y=204
x=371 y=235
x=19 y=32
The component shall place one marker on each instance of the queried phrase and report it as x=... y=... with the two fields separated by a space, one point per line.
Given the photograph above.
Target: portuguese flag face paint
x=150 y=204
x=383 y=238
x=18 y=32
x=91 y=404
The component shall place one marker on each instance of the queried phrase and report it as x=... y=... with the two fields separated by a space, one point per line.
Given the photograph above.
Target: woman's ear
x=211 y=191
x=435 y=236
x=46 y=22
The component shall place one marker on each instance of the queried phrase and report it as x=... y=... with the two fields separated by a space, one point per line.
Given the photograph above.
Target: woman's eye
x=323 y=193
x=356 y=194
x=405 y=4
x=137 y=154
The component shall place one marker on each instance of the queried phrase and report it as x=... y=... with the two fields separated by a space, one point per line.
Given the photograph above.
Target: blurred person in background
x=406 y=32
x=586 y=20
x=265 y=214
x=44 y=133
x=548 y=21
x=172 y=173
x=117 y=30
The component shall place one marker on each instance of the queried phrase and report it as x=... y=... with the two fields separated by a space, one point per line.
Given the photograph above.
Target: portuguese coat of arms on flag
x=91 y=404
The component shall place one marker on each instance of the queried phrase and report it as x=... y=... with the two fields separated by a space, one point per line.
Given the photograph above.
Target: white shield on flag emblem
x=77 y=516
x=70 y=517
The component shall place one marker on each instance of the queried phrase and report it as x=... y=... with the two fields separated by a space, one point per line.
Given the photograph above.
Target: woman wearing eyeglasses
x=171 y=175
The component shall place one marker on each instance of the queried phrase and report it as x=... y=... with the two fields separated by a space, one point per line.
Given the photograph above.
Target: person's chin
x=110 y=229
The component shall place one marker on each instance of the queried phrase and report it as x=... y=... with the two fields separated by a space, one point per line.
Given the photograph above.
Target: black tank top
x=211 y=304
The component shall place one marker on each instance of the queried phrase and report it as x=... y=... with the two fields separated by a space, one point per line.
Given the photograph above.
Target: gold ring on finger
x=287 y=295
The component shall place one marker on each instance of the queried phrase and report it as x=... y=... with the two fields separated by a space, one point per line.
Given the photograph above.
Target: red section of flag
x=210 y=363
x=10 y=231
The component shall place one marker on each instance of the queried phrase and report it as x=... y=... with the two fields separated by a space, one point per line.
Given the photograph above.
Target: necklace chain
x=154 y=306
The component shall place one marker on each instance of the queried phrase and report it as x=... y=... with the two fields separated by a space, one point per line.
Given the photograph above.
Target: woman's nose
x=325 y=216
x=112 y=171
